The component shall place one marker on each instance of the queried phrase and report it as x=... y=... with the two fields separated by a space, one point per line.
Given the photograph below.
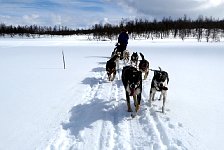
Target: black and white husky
x=111 y=67
x=144 y=66
x=159 y=83
x=134 y=59
x=132 y=81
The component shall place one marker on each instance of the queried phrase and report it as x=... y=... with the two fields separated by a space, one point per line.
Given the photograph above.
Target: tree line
x=33 y=30
x=202 y=27
x=208 y=28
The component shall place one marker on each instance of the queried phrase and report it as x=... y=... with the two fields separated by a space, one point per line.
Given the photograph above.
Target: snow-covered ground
x=43 y=106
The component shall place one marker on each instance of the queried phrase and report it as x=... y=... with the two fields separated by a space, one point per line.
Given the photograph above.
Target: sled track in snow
x=103 y=123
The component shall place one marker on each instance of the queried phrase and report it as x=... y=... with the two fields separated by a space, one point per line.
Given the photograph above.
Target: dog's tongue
x=132 y=92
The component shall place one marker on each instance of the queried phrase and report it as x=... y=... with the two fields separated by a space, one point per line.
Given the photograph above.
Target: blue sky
x=85 y=13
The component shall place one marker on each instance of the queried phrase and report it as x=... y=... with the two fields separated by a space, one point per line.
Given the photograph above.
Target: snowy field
x=43 y=106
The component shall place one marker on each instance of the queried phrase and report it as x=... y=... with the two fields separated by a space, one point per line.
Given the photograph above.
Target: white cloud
x=175 y=8
x=31 y=19
x=207 y=4
x=104 y=21
x=80 y=13
x=69 y=13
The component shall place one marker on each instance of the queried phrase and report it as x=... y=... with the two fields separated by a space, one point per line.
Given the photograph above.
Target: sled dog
x=126 y=56
x=159 y=83
x=111 y=67
x=134 y=59
x=132 y=81
x=144 y=66
x=116 y=52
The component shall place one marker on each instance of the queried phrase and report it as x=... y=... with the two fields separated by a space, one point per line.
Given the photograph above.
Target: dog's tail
x=166 y=74
x=160 y=68
x=156 y=70
x=143 y=58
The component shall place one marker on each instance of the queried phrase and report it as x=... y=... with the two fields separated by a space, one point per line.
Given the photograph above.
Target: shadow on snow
x=96 y=110
x=99 y=69
x=85 y=115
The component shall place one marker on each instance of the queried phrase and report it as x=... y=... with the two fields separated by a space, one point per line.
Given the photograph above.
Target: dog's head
x=126 y=53
x=115 y=52
x=134 y=83
x=143 y=65
x=118 y=54
x=160 y=80
x=134 y=56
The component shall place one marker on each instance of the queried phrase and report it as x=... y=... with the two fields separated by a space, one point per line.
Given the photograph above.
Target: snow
x=44 y=106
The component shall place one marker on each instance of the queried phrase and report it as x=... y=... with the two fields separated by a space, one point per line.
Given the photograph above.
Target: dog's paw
x=130 y=110
x=163 y=110
x=133 y=115
x=137 y=108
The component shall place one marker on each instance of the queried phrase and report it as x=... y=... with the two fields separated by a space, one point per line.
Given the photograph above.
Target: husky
x=116 y=52
x=132 y=81
x=134 y=59
x=126 y=56
x=144 y=66
x=159 y=83
x=111 y=67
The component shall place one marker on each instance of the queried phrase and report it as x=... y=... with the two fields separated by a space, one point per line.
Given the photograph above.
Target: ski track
x=102 y=121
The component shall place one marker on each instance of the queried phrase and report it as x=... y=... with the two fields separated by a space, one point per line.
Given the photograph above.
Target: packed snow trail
x=103 y=123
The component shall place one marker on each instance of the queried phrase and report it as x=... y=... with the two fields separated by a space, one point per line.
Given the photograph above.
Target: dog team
x=132 y=77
